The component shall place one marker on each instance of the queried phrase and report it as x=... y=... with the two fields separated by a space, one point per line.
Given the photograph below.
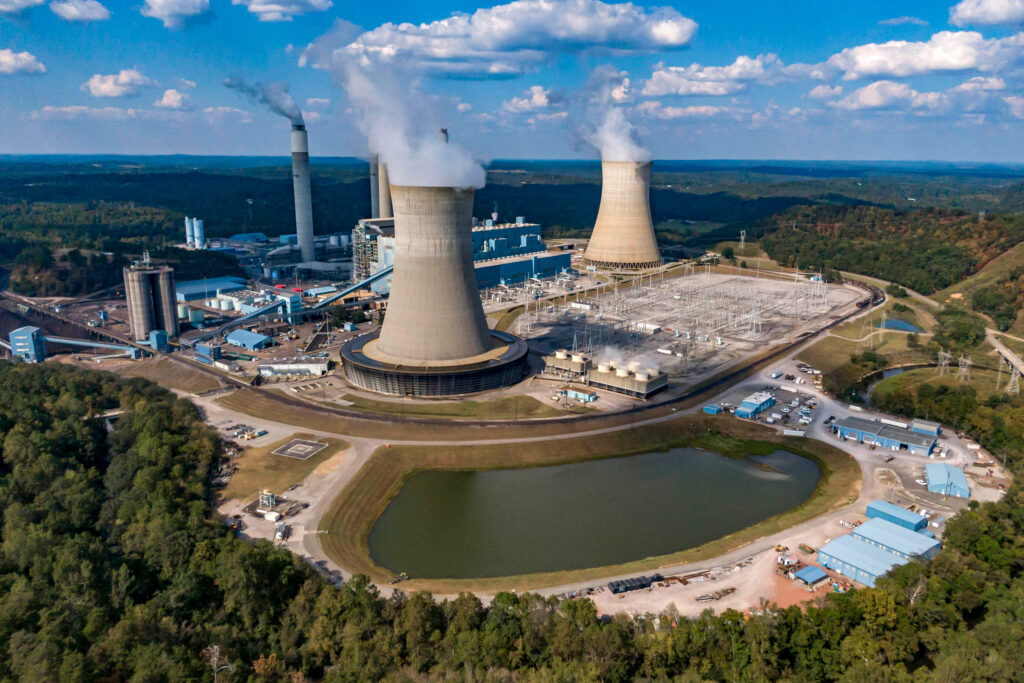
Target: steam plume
x=274 y=94
x=604 y=125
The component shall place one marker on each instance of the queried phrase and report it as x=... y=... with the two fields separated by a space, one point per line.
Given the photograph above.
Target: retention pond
x=475 y=524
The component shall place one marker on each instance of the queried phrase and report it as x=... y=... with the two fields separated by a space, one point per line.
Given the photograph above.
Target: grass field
x=348 y=521
x=993 y=271
x=259 y=468
x=505 y=408
x=172 y=375
x=983 y=381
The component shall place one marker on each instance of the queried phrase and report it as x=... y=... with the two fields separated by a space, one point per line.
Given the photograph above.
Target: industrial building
x=856 y=559
x=434 y=340
x=248 y=340
x=892 y=536
x=631 y=380
x=150 y=296
x=517 y=269
x=947 y=480
x=884 y=435
x=300 y=365
x=896 y=539
x=925 y=427
x=754 y=405
x=881 y=509
x=28 y=344
x=575 y=394
x=623 y=236
x=193 y=290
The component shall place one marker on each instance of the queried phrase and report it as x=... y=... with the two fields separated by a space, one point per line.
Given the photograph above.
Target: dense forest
x=924 y=249
x=111 y=568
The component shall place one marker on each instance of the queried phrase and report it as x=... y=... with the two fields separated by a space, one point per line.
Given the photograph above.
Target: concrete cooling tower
x=623 y=236
x=434 y=340
x=303 y=197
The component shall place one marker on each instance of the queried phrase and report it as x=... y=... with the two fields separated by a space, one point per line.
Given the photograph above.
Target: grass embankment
x=259 y=469
x=504 y=408
x=172 y=375
x=983 y=381
x=351 y=515
x=993 y=271
x=1015 y=345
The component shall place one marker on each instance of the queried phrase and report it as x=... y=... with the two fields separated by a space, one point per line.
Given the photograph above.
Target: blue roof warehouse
x=883 y=435
x=755 y=404
x=878 y=545
x=248 y=340
x=945 y=479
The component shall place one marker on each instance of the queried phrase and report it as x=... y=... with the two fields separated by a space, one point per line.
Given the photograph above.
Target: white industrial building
x=300 y=365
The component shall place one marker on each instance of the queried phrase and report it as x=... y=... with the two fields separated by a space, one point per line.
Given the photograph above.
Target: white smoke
x=624 y=359
x=274 y=94
x=402 y=124
x=602 y=116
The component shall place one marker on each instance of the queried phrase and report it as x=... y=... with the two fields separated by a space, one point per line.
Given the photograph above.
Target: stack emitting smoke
x=277 y=98
x=434 y=309
x=623 y=234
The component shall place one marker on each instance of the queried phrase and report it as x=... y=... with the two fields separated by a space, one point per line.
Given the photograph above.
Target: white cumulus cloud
x=174 y=13
x=12 y=6
x=80 y=10
x=707 y=80
x=825 y=92
x=888 y=95
x=900 y=21
x=987 y=12
x=464 y=107
x=536 y=98
x=944 y=51
x=126 y=82
x=317 y=103
x=50 y=113
x=981 y=83
x=12 y=62
x=1016 y=105
x=217 y=115
x=656 y=110
x=506 y=40
x=171 y=99
x=283 y=10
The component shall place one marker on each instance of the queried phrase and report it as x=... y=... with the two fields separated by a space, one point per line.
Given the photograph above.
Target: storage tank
x=182 y=311
x=195 y=316
x=623 y=234
x=334 y=240
x=434 y=309
x=200 y=234
x=190 y=232
x=150 y=297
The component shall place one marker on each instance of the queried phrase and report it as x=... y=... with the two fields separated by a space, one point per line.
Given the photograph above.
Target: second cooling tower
x=303 y=198
x=623 y=236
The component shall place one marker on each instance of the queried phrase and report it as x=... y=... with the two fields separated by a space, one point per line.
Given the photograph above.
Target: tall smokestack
x=374 y=187
x=623 y=235
x=303 y=198
x=434 y=310
x=384 y=193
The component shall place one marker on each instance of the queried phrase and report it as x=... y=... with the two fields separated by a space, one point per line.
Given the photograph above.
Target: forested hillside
x=924 y=249
x=112 y=569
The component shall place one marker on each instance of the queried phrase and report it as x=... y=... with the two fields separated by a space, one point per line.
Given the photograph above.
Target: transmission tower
x=943 y=366
x=964 y=371
x=1013 y=386
x=743 y=242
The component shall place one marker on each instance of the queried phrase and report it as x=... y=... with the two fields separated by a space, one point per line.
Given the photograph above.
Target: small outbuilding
x=712 y=409
x=811 y=575
x=946 y=479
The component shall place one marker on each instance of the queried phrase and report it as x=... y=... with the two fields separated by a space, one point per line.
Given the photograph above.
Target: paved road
x=1004 y=351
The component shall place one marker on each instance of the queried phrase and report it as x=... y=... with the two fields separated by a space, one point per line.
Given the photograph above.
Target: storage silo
x=150 y=295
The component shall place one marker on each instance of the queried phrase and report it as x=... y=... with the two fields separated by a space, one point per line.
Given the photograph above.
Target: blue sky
x=871 y=79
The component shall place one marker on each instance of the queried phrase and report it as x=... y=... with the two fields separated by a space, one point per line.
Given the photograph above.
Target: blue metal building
x=880 y=509
x=248 y=340
x=896 y=539
x=811 y=575
x=856 y=559
x=755 y=404
x=28 y=344
x=515 y=270
x=883 y=435
x=947 y=480
x=158 y=341
x=925 y=427
x=712 y=409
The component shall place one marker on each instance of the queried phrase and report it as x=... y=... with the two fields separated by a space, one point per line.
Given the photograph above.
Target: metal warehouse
x=248 y=340
x=856 y=559
x=192 y=290
x=880 y=509
x=755 y=404
x=947 y=480
x=925 y=427
x=896 y=539
x=883 y=435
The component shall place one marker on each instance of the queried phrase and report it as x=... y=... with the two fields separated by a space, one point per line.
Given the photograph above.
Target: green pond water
x=446 y=524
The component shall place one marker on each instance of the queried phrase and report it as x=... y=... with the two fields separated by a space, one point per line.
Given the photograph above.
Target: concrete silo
x=303 y=196
x=434 y=340
x=384 y=192
x=150 y=295
x=623 y=236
